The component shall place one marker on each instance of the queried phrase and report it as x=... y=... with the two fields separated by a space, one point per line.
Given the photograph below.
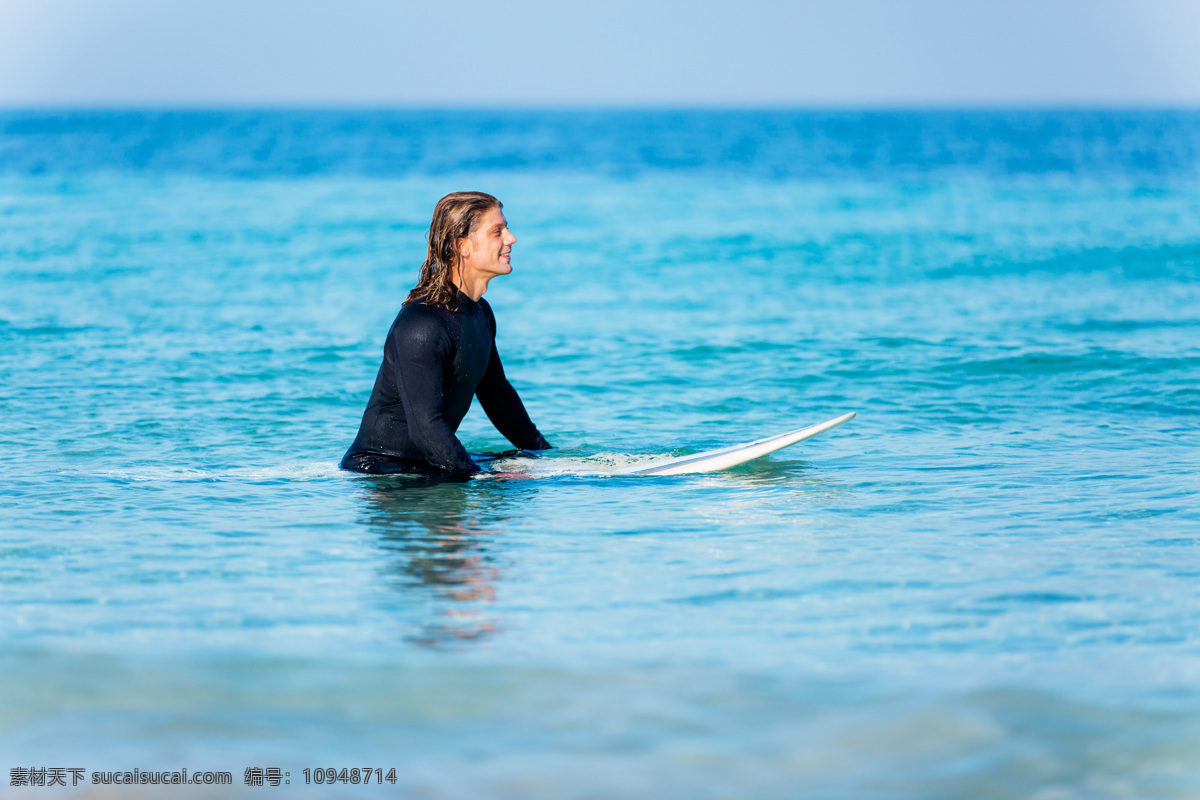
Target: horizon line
x=336 y=107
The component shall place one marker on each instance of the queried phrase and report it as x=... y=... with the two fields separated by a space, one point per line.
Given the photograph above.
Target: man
x=441 y=350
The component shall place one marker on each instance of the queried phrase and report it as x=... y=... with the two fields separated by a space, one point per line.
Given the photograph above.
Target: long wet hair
x=456 y=216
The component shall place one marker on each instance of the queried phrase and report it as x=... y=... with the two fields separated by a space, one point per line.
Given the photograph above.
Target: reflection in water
x=442 y=557
x=803 y=483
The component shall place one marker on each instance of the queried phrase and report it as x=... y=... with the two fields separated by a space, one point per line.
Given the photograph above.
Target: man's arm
x=422 y=352
x=504 y=408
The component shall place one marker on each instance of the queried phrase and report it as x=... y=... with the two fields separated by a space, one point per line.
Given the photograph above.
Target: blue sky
x=600 y=53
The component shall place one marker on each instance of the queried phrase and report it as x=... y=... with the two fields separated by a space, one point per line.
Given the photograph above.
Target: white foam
x=600 y=464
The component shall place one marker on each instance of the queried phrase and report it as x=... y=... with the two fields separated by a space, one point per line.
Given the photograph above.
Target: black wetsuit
x=434 y=360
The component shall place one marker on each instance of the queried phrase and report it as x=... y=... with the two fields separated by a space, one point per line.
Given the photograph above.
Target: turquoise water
x=983 y=586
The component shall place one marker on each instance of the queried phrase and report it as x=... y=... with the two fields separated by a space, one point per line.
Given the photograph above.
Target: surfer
x=441 y=351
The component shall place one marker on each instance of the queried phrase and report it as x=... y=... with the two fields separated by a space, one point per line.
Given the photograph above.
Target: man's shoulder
x=420 y=321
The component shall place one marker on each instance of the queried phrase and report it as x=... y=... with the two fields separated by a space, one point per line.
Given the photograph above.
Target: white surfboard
x=727 y=457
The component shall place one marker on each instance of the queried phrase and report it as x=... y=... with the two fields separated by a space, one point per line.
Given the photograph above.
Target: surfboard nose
x=726 y=457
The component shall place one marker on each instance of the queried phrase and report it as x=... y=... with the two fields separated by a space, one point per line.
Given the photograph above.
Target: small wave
x=1124 y=325
x=289 y=472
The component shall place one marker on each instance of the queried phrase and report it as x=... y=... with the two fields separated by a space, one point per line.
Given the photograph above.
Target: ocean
x=985 y=585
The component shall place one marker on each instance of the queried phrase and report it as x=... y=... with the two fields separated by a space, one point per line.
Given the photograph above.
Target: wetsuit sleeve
x=503 y=405
x=423 y=350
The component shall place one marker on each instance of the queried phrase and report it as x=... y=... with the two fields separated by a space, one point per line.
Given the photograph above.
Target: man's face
x=489 y=248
